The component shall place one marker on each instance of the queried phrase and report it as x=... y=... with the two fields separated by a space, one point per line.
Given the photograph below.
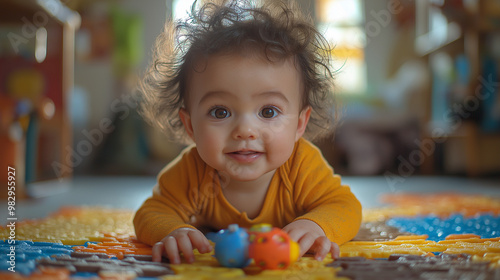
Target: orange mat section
x=109 y=232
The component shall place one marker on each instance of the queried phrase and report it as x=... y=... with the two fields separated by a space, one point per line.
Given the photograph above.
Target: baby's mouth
x=245 y=156
x=244 y=152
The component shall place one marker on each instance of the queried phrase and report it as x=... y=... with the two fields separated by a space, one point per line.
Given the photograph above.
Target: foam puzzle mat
x=416 y=236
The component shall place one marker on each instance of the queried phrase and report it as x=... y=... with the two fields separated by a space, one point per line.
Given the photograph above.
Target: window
x=181 y=8
x=341 y=22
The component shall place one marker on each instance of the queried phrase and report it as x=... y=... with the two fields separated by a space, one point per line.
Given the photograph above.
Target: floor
x=130 y=192
x=48 y=243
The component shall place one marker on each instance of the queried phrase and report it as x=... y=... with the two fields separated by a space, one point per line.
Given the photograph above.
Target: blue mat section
x=21 y=257
x=486 y=226
x=23 y=254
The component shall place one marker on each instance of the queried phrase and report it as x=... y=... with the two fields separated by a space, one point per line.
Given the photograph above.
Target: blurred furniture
x=36 y=75
x=461 y=41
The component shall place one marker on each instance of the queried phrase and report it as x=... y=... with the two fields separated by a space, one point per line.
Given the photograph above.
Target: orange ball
x=272 y=248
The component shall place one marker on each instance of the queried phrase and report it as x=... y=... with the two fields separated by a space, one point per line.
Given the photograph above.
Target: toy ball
x=271 y=248
x=231 y=247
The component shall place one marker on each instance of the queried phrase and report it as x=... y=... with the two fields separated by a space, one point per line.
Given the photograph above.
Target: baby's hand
x=181 y=240
x=312 y=238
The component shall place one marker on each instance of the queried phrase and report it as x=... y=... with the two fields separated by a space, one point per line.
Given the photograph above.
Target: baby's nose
x=245 y=129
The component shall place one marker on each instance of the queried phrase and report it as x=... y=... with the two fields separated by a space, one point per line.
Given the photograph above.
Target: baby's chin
x=226 y=176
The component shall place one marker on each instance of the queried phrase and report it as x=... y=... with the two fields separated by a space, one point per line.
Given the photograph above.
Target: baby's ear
x=186 y=121
x=303 y=120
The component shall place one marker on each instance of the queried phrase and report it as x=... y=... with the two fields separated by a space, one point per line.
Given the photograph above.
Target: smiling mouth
x=245 y=156
x=244 y=152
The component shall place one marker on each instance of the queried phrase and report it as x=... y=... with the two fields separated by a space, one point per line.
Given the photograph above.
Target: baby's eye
x=269 y=112
x=219 y=113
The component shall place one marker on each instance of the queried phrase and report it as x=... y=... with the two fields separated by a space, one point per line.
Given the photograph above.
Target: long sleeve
x=173 y=203
x=188 y=194
x=320 y=197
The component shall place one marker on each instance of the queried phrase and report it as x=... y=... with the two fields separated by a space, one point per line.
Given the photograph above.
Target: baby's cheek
x=281 y=149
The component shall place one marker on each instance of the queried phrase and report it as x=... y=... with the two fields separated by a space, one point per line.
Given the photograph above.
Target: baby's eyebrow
x=225 y=94
x=277 y=94
x=214 y=94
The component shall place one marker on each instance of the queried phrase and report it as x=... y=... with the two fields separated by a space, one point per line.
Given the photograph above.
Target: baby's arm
x=181 y=240
x=331 y=218
x=329 y=213
x=163 y=221
x=311 y=238
x=161 y=225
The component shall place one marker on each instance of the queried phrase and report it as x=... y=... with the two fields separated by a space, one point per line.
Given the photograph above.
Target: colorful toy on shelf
x=231 y=246
x=26 y=83
x=271 y=248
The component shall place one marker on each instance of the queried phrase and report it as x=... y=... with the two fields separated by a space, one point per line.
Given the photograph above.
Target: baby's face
x=244 y=114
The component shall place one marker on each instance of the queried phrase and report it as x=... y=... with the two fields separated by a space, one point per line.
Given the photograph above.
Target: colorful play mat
x=416 y=236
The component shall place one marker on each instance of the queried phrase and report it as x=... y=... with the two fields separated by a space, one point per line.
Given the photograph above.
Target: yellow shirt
x=188 y=194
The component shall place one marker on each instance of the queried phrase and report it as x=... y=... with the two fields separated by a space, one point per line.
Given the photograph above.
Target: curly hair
x=277 y=28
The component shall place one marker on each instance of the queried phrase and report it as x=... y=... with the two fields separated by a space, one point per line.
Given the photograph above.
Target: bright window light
x=341 y=22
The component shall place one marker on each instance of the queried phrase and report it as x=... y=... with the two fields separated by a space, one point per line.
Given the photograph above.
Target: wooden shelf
x=465 y=29
x=428 y=43
x=52 y=136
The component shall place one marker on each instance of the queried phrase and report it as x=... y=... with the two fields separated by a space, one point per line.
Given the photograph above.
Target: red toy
x=271 y=248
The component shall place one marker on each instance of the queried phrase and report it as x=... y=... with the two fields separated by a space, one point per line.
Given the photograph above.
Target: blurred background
x=418 y=84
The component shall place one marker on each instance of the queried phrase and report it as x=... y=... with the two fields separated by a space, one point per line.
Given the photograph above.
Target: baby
x=245 y=84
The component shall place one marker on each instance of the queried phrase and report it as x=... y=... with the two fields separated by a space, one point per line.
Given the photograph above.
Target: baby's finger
x=172 y=250
x=186 y=247
x=295 y=235
x=335 y=250
x=158 y=249
x=305 y=243
x=321 y=247
x=199 y=241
